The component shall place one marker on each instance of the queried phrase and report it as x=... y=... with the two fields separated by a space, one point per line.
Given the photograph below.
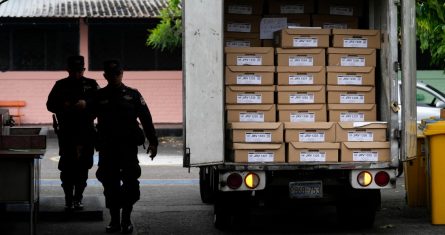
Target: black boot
x=78 y=196
x=114 y=225
x=68 y=190
x=127 y=226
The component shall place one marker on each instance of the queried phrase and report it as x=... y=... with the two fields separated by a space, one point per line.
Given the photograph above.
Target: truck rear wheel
x=358 y=208
x=206 y=184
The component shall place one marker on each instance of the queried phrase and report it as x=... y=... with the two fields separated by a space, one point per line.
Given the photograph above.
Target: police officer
x=75 y=131
x=117 y=108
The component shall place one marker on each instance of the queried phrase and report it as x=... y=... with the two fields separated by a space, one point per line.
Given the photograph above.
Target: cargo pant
x=119 y=172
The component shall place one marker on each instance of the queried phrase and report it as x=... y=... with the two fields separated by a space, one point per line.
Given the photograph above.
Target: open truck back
x=236 y=186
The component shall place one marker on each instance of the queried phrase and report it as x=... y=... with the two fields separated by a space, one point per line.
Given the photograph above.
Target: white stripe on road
x=95 y=182
x=144 y=160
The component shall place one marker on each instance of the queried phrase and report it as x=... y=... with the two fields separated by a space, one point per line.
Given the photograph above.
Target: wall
x=162 y=90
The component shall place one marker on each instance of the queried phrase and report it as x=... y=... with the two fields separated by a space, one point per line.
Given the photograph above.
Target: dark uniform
x=117 y=108
x=76 y=133
x=119 y=133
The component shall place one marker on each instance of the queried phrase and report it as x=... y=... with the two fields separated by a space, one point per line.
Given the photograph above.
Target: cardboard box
x=308 y=75
x=352 y=112
x=259 y=56
x=312 y=152
x=359 y=57
x=301 y=57
x=340 y=7
x=335 y=22
x=249 y=75
x=242 y=40
x=365 y=152
x=291 y=6
x=242 y=23
x=302 y=113
x=351 y=94
x=243 y=7
x=356 y=38
x=255 y=153
x=350 y=76
x=251 y=113
x=267 y=132
x=267 y=43
x=298 y=20
x=302 y=38
x=361 y=131
x=309 y=132
x=250 y=94
x=314 y=94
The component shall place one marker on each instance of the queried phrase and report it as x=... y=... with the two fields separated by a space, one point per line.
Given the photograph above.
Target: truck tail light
x=364 y=178
x=381 y=178
x=234 y=181
x=252 y=180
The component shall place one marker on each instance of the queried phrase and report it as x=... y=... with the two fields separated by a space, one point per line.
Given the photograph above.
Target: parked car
x=429 y=99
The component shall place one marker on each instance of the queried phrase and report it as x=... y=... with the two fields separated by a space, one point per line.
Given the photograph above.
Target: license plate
x=306 y=189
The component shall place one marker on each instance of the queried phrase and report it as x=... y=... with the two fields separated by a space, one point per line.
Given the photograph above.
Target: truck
x=235 y=188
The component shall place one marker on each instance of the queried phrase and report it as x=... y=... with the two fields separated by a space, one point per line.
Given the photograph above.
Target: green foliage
x=431 y=29
x=168 y=33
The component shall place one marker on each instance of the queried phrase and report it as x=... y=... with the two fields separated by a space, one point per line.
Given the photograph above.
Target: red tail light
x=234 y=181
x=381 y=178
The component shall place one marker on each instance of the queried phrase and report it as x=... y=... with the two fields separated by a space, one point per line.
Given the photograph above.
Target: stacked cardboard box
x=242 y=23
x=339 y=14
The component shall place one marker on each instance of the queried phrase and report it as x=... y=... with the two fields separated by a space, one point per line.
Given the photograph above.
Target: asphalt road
x=170 y=204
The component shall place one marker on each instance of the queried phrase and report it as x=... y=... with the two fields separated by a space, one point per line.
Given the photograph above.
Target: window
x=125 y=40
x=37 y=44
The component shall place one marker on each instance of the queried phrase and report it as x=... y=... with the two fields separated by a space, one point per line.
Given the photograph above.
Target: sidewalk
x=53 y=220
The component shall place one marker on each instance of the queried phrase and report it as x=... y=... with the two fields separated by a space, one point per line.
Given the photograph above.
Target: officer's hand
x=152 y=151
x=81 y=104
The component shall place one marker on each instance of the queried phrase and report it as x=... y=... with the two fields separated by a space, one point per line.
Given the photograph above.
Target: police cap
x=112 y=67
x=76 y=63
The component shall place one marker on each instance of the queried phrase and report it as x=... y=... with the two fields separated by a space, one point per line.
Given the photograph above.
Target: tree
x=431 y=29
x=168 y=33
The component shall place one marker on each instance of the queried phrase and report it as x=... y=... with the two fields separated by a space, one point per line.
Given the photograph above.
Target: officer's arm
x=144 y=116
x=55 y=103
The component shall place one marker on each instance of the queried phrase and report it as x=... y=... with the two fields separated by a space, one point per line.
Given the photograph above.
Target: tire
x=222 y=218
x=358 y=208
x=206 y=189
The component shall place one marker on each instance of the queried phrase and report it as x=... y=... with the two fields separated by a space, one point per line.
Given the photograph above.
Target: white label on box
x=352 y=99
x=352 y=117
x=270 y=25
x=251 y=117
x=355 y=42
x=237 y=43
x=248 y=98
x=313 y=156
x=353 y=61
x=240 y=9
x=365 y=156
x=305 y=42
x=239 y=27
x=350 y=80
x=311 y=137
x=249 y=60
x=265 y=137
x=302 y=117
x=301 y=61
x=301 y=79
x=360 y=136
x=334 y=26
x=248 y=79
x=307 y=98
x=292 y=9
x=341 y=10
x=260 y=157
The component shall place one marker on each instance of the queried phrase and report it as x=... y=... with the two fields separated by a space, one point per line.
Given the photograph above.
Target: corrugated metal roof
x=83 y=8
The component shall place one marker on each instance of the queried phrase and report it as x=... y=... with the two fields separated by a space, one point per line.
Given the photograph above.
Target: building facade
x=36 y=37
